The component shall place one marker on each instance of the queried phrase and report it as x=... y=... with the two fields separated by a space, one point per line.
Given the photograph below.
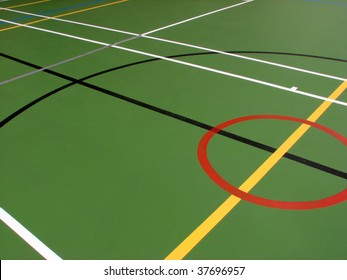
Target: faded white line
x=65 y=61
x=28 y=237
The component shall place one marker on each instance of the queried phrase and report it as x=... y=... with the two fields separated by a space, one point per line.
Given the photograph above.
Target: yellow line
x=202 y=230
x=27 y=4
x=66 y=14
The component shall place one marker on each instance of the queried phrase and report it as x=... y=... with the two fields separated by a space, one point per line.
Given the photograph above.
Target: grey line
x=68 y=60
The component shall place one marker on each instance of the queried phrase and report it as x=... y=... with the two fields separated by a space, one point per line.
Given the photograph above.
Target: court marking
x=61 y=62
x=57 y=33
x=241 y=77
x=153 y=108
x=184 y=44
x=59 y=9
x=213 y=70
x=217 y=216
x=205 y=163
x=149 y=32
x=28 y=4
x=249 y=58
x=66 y=14
x=107 y=92
x=200 y=16
x=27 y=236
x=57 y=18
x=64 y=61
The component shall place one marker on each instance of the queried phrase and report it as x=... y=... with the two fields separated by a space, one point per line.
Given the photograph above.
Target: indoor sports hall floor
x=109 y=149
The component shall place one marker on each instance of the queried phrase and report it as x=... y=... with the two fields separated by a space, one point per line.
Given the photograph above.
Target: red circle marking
x=293 y=205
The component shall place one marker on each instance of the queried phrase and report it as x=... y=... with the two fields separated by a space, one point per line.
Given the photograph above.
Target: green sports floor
x=103 y=105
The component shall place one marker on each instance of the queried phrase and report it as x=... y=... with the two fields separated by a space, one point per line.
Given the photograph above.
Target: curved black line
x=171 y=56
x=81 y=81
x=291 y=54
x=209 y=53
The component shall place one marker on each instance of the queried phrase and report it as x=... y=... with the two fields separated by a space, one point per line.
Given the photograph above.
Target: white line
x=234 y=75
x=61 y=62
x=248 y=58
x=193 y=18
x=27 y=236
x=69 y=21
x=56 y=33
x=130 y=33
x=187 y=45
x=185 y=63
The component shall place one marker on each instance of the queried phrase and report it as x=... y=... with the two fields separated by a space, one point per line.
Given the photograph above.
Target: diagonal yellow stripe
x=202 y=230
x=64 y=15
x=27 y=4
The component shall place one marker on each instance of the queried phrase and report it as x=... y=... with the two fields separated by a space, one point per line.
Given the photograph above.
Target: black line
x=82 y=82
x=57 y=74
x=292 y=54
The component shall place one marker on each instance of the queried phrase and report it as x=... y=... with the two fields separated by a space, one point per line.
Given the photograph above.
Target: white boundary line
x=69 y=21
x=234 y=76
x=144 y=35
x=248 y=58
x=56 y=33
x=130 y=33
x=78 y=56
x=200 y=16
x=185 y=63
x=27 y=236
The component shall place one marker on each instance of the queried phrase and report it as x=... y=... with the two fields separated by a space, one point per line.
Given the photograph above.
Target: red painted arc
x=291 y=205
